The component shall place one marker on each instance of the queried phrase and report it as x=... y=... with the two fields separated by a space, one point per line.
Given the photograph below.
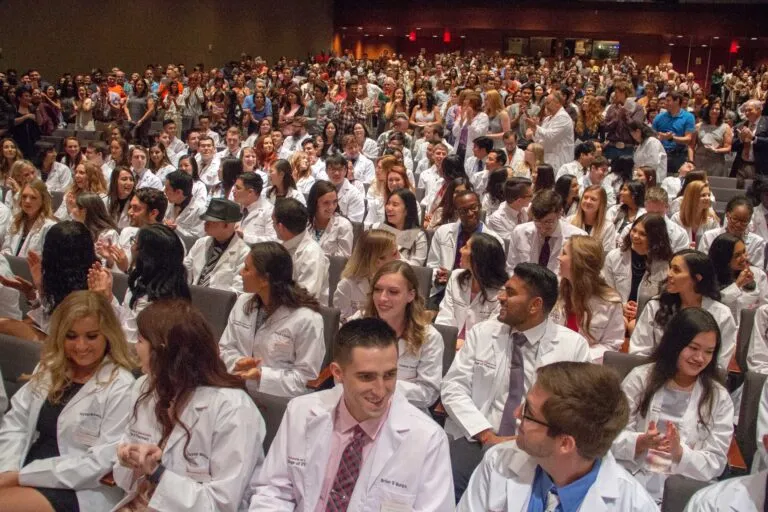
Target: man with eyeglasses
x=445 y=251
x=561 y=458
x=497 y=365
x=541 y=240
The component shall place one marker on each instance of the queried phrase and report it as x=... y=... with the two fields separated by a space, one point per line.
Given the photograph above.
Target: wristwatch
x=154 y=478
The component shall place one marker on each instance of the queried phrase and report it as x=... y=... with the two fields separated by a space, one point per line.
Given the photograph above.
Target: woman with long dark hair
x=622 y=168
x=630 y=206
x=194 y=438
x=282 y=184
x=274 y=336
x=331 y=139
x=543 y=178
x=446 y=213
x=472 y=289
x=188 y=164
x=122 y=187
x=57 y=176
x=568 y=188
x=89 y=210
x=691 y=282
x=402 y=218
x=327 y=225
x=229 y=170
x=681 y=416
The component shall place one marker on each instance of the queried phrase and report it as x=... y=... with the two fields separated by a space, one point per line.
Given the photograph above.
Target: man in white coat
x=541 y=241
x=497 y=364
x=310 y=264
x=208 y=162
x=351 y=200
x=183 y=214
x=518 y=193
x=363 y=167
x=555 y=132
x=359 y=446
x=256 y=224
x=561 y=458
x=215 y=261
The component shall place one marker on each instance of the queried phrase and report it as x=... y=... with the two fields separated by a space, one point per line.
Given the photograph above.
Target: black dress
x=47 y=446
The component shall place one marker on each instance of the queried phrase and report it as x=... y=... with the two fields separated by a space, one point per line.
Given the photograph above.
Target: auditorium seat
x=623 y=363
x=424 y=275
x=215 y=306
x=450 y=335
x=336 y=267
x=746 y=431
x=677 y=491
x=746 y=323
x=272 y=409
x=17 y=357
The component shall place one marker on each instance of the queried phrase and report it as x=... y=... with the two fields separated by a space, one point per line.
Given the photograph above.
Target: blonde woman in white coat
x=471 y=295
x=326 y=224
x=59 y=438
x=586 y=303
x=31 y=223
x=592 y=217
x=274 y=335
x=681 y=419
x=691 y=282
x=395 y=298
x=696 y=215
x=637 y=269
x=194 y=439
x=375 y=248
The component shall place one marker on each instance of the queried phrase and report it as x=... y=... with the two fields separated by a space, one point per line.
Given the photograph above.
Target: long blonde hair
x=298 y=155
x=587 y=258
x=599 y=226
x=690 y=214
x=372 y=245
x=96 y=182
x=387 y=163
x=538 y=151
x=55 y=371
x=416 y=319
x=46 y=209
x=493 y=103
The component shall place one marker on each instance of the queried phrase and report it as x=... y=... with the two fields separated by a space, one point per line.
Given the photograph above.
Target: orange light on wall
x=412 y=36
x=446 y=36
x=734 y=47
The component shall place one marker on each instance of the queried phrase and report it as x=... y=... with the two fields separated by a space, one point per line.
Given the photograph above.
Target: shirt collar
x=294 y=242
x=572 y=495
x=534 y=334
x=345 y=422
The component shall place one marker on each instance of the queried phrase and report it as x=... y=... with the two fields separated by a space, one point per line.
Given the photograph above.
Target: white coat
x=710 y=223
x=6 y=217
x=607 y=238
x=407 y=468
x=290 y=343
x=226 y=273
x=419 y=375
x=364 y=169
x=759 y=224
x=337 y=238
x=411 y=244
x=705 y=447
x=60 y=178
x=34 y=241
x=351 y=202
x=351 y=296
x=460 y=310
x=525 y=243
x=647 y=335
x=757 y=353
x=9 y=306
x=504 y=481
x=738 y=299
x=755 y=245
x=147 y=179
x=304 y=185
x=617 y=271
x=479 y=374
x=257 y=225
x=3 y=397
x=760 y=461
x=477 y=128
x=742 y=494
x=209 y=173
x=292 y=193
x=678 y=237
x=310 y=265
x=606 y=329
x=88 y=429
x=442 y=252
x=188 y=223
x=213 y=472
x=556 y=135
x=505 y=219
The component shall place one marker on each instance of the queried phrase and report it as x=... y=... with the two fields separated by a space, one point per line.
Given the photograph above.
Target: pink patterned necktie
x=346 y=476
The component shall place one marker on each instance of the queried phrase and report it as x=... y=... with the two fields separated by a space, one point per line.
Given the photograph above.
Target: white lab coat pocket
x=389 y=500
x=89 y=427
x=407 y=366
x=280 y=347
x=482 y=377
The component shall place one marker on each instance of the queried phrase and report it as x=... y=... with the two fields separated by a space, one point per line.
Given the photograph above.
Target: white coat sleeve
x=613 y=335
x=3 y=398
x=419 y=253
x=728 y=332
x=554 y=131
x=342 y=300
x=643 y=339
x=513 y=256
x=230 y=345
x=314 y=277
x=13 y=429
x=447 y=315
x=356 y=208
x=260 y=233
x=84 y=471
x=456 y=390
x=433 y=259
x=477 y=496
x=436 y=487
x=346 y=241
x=236 y=452
x=309 y=346
x=624 y=445
x=757 y=354
x=424 y=389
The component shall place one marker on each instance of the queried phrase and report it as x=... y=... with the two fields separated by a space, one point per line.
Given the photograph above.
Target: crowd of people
x=563 y=208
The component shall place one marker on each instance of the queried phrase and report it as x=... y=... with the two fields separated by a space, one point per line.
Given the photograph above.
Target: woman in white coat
x=630 y=206
x=696 y=215
x=57 y=176
x=375 y=248
x=274 y=335
x=402 y=218
x=282 y=184
x=395 y=298
x=327 y=226
x=586 y=304
x=194 y=439
x=90 y=210
x=681 y=419
x=87 y=177
x=592 y=217
x=742 y=285
x=59 y=438
x=376 y=195
x=122 y=186
x=32 y=221
x=638 y=267
x=471 y=123
x=471 y=293
x=691 y=282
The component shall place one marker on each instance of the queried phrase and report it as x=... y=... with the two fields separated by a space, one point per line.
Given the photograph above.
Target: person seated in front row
x=561 y=458
x=183 y=213
x=194 y=439
x=471 y=295
x=541 y=240
x=691 y=282
x=395 y=298
x=497 y=365
x=375 y=248
x=274 y=335
x=681 y=417
x=351 y=200
x=360 y=445
x=326 y=225
x=310 y=264
x=256 y=224
x=215 y=260
x=59 y=437
x=586 y=304
x=518 y=193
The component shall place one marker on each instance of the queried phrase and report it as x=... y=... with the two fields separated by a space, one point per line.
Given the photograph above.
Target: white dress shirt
x=526 y=244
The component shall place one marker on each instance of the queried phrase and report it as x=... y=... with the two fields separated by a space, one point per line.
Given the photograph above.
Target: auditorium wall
x=57 y=36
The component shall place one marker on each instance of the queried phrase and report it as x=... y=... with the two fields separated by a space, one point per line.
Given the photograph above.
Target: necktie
x=545 y=252
x=245 y=213
x=346 y=476
x=553 y=501
x=479 y=165
x=214 y=253
x=508 y=425
x=520 y=217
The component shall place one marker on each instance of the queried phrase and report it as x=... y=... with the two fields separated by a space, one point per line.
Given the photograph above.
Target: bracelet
x=154 y=478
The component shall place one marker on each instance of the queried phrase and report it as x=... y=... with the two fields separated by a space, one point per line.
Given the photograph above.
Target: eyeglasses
x=469 y=209
x=524 y=414
x=545 y=223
